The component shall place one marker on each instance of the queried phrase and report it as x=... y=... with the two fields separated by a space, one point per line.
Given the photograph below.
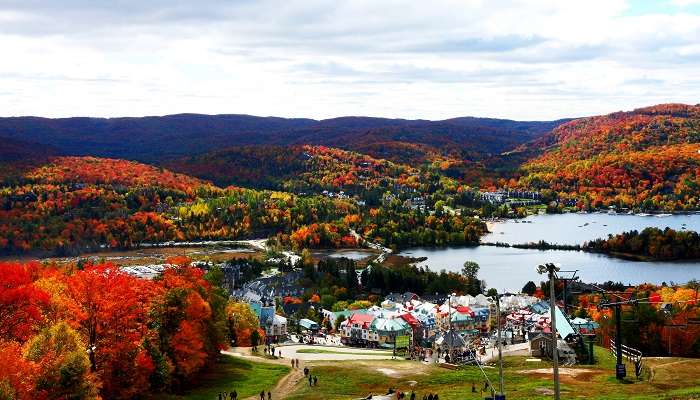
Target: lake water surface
x=510 y=269
x=578 y=228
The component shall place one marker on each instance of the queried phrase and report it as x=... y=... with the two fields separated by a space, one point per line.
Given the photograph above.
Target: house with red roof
x=415 y=325
x=355 y=330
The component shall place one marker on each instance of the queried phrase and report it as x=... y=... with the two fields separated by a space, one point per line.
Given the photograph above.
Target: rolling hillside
x=297 y=168
x=153 y=139
x=647 y=158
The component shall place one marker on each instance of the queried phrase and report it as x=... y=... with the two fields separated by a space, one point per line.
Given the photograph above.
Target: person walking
x=262 y=395
x=306 y=371
x=269 y=395
x=311 y=381
x=234 y=395
x=315 y=380
x=292 y=363
x=413 y=395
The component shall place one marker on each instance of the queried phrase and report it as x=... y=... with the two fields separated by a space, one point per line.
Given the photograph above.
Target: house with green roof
x=387 y=329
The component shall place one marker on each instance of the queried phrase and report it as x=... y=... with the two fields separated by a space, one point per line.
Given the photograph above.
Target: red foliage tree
x=21 y=302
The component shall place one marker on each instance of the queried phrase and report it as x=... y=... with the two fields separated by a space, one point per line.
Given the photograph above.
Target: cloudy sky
x=530 y=59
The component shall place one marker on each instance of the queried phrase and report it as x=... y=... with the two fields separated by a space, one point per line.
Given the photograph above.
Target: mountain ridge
x=154 y=138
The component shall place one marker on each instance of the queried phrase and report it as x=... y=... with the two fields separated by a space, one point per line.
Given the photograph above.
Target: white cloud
x=685 y=3
x=322 y=58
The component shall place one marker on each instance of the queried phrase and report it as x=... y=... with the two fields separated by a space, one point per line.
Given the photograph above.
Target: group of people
x=402 y=395
x=270 y=349
x=228 y=395
x=262 y=395
x=313 y=380
x=295 y=363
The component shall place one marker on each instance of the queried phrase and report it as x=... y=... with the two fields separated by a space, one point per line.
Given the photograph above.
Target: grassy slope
x=229 y=373
x=343 y=380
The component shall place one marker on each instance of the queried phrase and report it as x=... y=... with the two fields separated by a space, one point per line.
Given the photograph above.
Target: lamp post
x=551 y=270
x=449 y=319
x=393 y=336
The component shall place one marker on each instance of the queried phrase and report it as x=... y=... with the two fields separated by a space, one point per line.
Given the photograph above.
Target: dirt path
x=567 y=375
x=653 y=368
x=286 y=385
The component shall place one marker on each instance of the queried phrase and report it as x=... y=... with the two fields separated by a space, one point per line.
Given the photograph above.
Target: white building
x=276 y=326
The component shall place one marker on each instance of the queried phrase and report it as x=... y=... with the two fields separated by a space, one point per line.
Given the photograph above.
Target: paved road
x=352 y=353
x=520 y=349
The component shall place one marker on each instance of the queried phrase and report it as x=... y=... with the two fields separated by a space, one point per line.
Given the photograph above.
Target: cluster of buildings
x=461 y=323
x=333 y=195
x=516 y=198
x=533 y=324
x=454 y=323
x=145 y=271
x=416 y=203
x=267 y=288
x=422 y=321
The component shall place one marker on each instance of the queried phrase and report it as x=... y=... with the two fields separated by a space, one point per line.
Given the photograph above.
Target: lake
x=509 y=268
x=575 y=228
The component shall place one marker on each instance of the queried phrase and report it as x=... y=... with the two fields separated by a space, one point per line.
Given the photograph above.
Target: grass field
x=523 y=380
x=666 y=378
x=229 y=373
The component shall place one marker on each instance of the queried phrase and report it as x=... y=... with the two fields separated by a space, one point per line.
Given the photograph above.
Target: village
x=450 y=330
x=321 y=308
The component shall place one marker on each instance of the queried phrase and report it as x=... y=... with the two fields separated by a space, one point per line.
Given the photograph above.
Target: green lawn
x=347 y=380
x=229 y=373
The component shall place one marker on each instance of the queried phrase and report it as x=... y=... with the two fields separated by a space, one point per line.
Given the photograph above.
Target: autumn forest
x=299 y=185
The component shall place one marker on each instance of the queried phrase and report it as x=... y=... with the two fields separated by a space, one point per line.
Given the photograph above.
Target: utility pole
x=500 y=347
x=555 y=351
x=566 y=308
x=565 y=280
x=620 y=369
x=551 y=270
x=449 y=320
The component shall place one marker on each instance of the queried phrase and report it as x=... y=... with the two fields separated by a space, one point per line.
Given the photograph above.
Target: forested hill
x=153 y=139
x=649 y=157
x=295 y=168
x=17 y=155
x=14 y=150
x=71 y=205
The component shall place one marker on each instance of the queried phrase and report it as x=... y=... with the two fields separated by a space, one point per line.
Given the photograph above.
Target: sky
x=437 y=59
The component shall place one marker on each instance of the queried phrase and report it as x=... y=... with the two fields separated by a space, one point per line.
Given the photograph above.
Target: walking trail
x=286 y=385
x=666 y=365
